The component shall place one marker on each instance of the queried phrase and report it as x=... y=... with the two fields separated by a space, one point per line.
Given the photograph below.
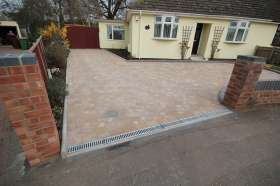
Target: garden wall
x=39 y=50
x=267 y=92
x=23 y=92
x=244 y=90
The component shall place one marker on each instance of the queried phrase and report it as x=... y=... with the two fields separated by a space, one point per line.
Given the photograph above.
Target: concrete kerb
x=176 y=61
x=64 y=124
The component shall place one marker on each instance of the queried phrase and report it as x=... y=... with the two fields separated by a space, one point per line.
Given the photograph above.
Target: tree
x=91 y=8
x=76 y=11
x=72 y=8
x=58 y=4
x=111 y=8
x=9 y=5
x=32 y=14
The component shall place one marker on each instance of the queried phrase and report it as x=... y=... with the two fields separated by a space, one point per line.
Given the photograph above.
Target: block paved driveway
x=110 y=96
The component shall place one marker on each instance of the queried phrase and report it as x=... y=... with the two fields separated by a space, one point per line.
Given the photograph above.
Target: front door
x=197 y=38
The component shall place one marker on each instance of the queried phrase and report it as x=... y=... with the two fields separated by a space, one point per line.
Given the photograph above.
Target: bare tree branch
x=112 y=7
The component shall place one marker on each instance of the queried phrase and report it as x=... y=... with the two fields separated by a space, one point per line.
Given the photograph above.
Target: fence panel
x=271 y=54
x=275 y=59
x=83 y=36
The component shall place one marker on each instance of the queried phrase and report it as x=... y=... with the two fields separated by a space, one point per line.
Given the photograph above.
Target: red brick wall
x=23 y=92
x=241 y=91
x=267 y=97
x=38 y=49
x=242 y=83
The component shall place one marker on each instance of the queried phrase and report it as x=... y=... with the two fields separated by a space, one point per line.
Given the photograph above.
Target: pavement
x=238 y=149
x=110 y=96
x=12 y=158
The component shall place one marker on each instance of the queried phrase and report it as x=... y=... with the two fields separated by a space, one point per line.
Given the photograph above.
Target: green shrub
x=57 y=92
x=56 y=54
x=52 y=33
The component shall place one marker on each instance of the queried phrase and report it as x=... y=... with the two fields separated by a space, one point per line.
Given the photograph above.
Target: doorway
x=197 y=37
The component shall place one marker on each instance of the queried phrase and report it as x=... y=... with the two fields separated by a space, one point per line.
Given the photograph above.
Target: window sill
x=165 y=39
x=115 y=40
x=235 y=42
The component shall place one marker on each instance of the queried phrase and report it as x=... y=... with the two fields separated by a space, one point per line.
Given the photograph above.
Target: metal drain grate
x=268 y=85
x=105 y=142
x=112 y=140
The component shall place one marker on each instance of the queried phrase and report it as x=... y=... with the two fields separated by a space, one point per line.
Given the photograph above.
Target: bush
x=57 y=45
x=53 y=33
x=56 y=55
x=57 y=92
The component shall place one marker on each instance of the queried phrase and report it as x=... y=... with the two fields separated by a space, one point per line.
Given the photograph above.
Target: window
x=166 y=27
x=238 y=31
x=115 y=32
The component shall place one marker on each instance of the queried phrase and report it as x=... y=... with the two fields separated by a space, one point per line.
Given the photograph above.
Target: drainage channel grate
x=105 y=142
x=112 y=140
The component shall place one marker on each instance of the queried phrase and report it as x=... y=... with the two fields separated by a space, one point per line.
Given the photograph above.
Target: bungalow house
x=207 y=28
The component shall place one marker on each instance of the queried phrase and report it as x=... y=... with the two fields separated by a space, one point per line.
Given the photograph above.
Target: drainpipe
x=139 y=38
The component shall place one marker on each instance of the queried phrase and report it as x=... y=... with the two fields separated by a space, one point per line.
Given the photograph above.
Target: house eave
x=180 y=14
x=109 y=21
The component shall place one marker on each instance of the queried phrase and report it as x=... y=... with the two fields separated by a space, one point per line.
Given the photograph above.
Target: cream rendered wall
x=115 y=44
x=129 y=44
x=259 y=34
x=134 y=23
x=148 y=46
x=11 y=23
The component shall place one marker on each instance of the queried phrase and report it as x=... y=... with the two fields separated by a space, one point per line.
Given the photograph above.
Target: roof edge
x=222 y=17
x=110 y=21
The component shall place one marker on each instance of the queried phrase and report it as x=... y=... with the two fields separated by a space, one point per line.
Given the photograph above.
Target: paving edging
x=63 y=150
x=97 y=144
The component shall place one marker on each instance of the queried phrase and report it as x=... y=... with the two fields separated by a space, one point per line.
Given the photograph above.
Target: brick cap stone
x=26 y=58
x=251 y=59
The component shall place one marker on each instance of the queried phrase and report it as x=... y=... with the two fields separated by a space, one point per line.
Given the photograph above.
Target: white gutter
x=109 y=21
x=220 y=17
x=139 y=37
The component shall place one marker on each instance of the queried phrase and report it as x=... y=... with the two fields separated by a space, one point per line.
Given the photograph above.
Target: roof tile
x=260 y=9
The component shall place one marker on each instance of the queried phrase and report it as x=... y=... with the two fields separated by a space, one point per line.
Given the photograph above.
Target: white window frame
x=238 y=27
x=113 y=29
x=164 y=22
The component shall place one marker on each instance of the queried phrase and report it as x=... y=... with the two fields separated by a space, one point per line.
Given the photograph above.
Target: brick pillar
x=23 y=92
x=244 y=77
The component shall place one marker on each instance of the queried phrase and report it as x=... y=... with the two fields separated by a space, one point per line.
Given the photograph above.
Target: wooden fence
x=39 y=50
x=271 y=54
x=81 y=36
